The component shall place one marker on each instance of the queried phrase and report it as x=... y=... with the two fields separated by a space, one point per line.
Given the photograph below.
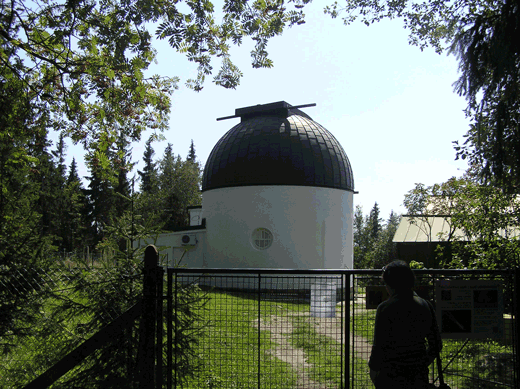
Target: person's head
x=398 y=276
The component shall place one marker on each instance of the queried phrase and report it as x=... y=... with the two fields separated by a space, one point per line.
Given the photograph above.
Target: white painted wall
x=312 y=227
x=170 y=244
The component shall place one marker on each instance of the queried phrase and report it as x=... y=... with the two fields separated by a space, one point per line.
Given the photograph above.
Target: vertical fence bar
x=342 y=323
x=259 y=326
x=169 y=332
x=159 y=328
x=176 y=330
x=429 y=281
x=516 y=335
x=346 y=332
x=147 y=326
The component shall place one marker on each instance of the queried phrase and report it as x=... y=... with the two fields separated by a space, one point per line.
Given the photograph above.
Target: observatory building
x=277 y=192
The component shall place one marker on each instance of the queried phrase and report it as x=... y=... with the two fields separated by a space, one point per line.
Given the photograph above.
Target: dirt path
x=281 y=326
x=331 y=327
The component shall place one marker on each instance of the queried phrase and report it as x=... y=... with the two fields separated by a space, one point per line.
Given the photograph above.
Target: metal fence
x=313 y=329
x=250 y=328
x=47 y=313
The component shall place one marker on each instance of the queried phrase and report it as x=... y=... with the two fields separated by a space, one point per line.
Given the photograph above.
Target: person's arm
x=373 y=376
x=376 y=356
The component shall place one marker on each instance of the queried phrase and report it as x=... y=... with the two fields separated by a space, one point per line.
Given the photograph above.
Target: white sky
x=391 y=106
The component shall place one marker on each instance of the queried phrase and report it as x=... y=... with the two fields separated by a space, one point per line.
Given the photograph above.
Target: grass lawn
x=293 y=349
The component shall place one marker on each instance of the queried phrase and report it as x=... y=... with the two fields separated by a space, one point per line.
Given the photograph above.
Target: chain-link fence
x=270 y=331
x=47 y=313
x=293 y=329
x=475 y=314
x=248 y=328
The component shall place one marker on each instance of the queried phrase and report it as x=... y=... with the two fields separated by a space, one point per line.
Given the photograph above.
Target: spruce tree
x=149 y=173
x=100 y=194
x=191 y=154
x=56 y=198
x=75 y=211
x=23 y=250
x=122 y=165
x=375 y=222
x=361 y=239
x=179 y=188
x=170 y=202
x=51 y=180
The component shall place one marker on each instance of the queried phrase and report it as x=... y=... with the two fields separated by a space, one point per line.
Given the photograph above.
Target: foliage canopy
x=85 y=62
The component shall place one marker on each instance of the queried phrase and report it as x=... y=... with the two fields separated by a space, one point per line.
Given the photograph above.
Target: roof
x=277 y=144
x=438 y=228
x=426 y=229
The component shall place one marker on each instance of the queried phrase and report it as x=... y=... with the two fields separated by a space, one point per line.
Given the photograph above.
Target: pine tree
x=23 y=250
x=100 y=194
x=122 y=165
x=59 y=156
x=179 y=188
x=373 y=240
x=191 y=154
x=75 y=211
x=361 y=239
x=374 y=222
x=170 y=201
x=149 y=173
x=56 y=198
x=51 y=179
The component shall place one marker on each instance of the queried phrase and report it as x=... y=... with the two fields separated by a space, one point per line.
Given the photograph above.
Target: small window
x=262 y=238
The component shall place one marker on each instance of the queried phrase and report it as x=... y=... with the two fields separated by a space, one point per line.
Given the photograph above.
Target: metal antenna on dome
x=265 y=107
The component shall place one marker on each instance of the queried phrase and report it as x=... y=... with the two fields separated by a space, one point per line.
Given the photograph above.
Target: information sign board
x=470 y=309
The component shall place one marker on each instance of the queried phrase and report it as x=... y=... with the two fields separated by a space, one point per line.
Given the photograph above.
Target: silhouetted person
x=404 y=322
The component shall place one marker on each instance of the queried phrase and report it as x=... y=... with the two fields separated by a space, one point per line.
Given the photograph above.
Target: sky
x=390 y=105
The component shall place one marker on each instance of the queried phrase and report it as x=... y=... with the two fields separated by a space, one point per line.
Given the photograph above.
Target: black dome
x=277 y=144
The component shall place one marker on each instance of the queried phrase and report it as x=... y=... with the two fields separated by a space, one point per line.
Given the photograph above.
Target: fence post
x=347 y=319
x=159 y=326
x=147 y=354
x=516 y=329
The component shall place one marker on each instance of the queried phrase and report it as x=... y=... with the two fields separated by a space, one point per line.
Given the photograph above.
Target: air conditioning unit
x=188 y=240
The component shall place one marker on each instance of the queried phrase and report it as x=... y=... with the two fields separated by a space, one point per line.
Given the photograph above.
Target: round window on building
x=262 y=238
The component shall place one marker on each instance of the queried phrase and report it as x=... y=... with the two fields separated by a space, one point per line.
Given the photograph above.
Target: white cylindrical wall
x=311 y=226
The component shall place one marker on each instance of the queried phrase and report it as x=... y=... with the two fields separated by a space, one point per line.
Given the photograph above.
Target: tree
x=122 y=165
x=81 y=68
x=59 y=156
x=149 y=173
x=489 y=218
x=75 y=211
x=22 y=132
x=482 y=34
x=489 y=58
x=179 y=188
x=191 y=154
x=100 y=195
x=85 y=62
x=430 y=210
x=361 y=239
x=480 y=223
x=424 y=203
x=22 y=248
x=374 y=250
x=384 y=249
x=374 y=222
